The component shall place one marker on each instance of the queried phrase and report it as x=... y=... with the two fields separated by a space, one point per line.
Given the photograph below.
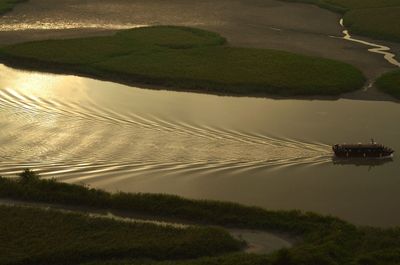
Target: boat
x=362 y=150
x=361 y=162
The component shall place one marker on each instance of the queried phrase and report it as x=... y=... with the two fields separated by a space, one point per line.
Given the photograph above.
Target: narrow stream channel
x=376 y=48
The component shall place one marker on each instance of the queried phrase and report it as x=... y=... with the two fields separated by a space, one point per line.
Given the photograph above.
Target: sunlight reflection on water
x=271 y=153
x=39 y=25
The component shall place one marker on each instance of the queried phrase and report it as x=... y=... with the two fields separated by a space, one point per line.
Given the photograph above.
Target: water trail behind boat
x=60 y=138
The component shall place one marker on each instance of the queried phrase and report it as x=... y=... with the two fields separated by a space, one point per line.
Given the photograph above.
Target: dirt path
x=259 y=242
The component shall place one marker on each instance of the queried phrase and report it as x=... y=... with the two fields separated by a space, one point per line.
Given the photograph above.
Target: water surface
x=271 y=153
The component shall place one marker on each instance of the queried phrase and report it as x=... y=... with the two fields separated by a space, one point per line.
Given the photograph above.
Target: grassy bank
x=165 y=206
x=187 y=59
x=325 y=240
x=33 y=236
x=390 y=83
x=8 y=5
x=373 y=18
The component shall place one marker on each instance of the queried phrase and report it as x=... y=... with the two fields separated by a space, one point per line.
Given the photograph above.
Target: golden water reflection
x=40 y=25
x=271 y=153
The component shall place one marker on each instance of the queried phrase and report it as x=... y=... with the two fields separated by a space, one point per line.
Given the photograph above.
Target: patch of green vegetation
x=379 y=23
x=35 y=236
x=373 y=250
x=325 y=240
x=390 y=83
x=8 y=5
x=233 y=259
x=373 y=18
x=188 y=59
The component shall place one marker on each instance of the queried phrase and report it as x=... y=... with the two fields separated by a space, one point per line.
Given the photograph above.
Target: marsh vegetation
x=324 y=239
x=390 y=83
x=188 y=59
x=35 y=236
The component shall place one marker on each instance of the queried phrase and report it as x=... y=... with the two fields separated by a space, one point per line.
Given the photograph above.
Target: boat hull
x=372 y=150
x=342 y=154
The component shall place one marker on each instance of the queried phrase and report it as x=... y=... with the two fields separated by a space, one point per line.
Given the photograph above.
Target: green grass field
x=324 y=240
x=36 y=236
x=378 y=19
x=188 y=59
x=390 y=83
x=8 y=5
x=378 y=23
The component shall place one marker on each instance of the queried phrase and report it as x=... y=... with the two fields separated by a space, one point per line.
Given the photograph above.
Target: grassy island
x=390 y=83
x=324 y=240
x=373 y=18
x=188 y=59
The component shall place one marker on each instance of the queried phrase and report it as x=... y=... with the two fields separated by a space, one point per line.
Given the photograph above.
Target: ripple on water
x=80 y=141
x=270 y=153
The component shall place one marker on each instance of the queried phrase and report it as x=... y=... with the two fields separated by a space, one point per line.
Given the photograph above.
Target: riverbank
x=332 y=240
x=189 y=59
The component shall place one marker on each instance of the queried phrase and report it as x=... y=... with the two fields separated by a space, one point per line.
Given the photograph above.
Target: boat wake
x=77 y=142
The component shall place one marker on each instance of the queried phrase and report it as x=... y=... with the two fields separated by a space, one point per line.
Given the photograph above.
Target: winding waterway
x=376 y=48
x=271 y=153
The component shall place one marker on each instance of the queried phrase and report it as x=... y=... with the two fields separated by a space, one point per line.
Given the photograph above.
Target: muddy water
x=271 y=153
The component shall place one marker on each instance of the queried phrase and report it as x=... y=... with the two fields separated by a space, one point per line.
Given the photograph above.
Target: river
x=270 y=153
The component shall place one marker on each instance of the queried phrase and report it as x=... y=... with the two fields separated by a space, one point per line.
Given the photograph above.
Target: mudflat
x=293 y=27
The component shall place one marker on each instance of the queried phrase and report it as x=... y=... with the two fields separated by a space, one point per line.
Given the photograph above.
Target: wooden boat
x=369 y=150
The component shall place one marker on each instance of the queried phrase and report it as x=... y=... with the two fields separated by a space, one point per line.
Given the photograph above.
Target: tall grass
x=390 y=83
x=188 y=59
x=233 y=259
x=324 y=240
x=378 y=23
x=165 y=206
x=34 y=236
